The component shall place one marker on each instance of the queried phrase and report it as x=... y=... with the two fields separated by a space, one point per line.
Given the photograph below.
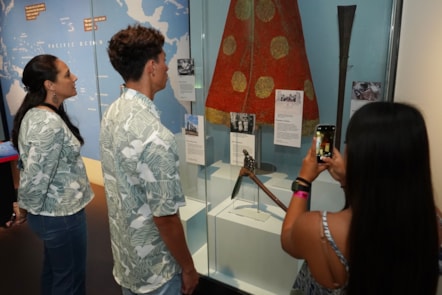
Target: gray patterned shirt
x=140 y=167
x=53 y=180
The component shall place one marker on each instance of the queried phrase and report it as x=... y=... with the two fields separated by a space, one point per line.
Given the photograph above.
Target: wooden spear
x=345 y=21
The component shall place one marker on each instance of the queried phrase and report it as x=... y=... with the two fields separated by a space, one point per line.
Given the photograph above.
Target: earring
x=54 y=98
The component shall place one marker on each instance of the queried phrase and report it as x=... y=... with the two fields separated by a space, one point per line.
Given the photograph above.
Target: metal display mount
x=249 y=170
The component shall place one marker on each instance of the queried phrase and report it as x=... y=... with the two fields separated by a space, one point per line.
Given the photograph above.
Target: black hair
x=393 y=238
x=39 y=69
x=131 y=48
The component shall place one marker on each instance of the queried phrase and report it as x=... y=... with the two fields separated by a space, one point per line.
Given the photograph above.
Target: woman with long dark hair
x=53 y=188
x=386 y=240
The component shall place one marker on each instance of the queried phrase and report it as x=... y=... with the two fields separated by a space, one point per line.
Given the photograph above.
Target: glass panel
x=243 y=234
x=80 y=32
x=235 y=241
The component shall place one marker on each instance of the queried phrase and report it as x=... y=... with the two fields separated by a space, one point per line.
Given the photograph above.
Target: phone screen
x=325 y=136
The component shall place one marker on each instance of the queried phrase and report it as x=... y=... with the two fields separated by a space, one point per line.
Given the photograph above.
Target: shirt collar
x=129 y=93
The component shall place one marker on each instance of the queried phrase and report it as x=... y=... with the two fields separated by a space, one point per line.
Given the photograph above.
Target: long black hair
x=393 y=237
x=36 y=72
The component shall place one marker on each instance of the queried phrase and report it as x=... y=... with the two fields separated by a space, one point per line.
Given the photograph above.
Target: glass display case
x=257 y=66
x=243 y=233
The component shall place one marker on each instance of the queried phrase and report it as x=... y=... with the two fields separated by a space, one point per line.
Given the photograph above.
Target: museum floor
x=21 y=254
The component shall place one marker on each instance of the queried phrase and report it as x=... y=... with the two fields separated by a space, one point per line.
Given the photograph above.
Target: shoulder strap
x=332 y=242
x=325 y=248
x=326 y=236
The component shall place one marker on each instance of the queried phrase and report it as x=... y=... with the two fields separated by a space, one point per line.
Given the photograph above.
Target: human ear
x=49 y=85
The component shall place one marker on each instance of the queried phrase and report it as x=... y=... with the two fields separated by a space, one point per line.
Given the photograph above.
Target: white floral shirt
x=53 y=180
x=140 y=167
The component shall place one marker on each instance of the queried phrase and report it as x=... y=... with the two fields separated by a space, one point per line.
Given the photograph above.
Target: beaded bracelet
x=301 y=194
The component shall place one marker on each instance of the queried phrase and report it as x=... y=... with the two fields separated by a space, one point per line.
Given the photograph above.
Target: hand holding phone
x=325 y=136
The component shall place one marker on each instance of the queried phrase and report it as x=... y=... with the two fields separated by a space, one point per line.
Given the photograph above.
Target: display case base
x=193 y=218
x=247 y=252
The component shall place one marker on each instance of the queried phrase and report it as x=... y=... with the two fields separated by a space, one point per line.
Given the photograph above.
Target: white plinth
x=244 y=251
x=242 y=247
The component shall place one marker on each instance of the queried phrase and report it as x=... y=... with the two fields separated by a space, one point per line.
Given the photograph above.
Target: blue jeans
x=65 y=246
x=172 y=287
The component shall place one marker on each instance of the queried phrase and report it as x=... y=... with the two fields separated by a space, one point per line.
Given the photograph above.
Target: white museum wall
x=419 y=73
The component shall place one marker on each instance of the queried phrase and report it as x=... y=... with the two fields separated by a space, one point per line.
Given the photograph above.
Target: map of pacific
x=78 y=32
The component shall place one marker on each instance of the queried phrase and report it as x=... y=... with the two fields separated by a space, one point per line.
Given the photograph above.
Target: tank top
x=305 y=283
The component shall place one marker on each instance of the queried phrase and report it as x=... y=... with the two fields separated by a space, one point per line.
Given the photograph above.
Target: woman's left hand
x=18 y=216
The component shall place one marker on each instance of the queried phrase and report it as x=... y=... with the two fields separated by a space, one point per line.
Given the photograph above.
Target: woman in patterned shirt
x=54 y=188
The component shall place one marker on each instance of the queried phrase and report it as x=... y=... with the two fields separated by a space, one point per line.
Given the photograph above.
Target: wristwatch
x=296 y=186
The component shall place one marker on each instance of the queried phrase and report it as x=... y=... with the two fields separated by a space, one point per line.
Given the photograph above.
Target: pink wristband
x=301 y=194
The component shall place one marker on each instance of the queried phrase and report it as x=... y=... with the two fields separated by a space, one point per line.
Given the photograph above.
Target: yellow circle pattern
x=264 y=87
x=279 y=47
x=265 y=10
x=239 y=81
x=243 y=9
x=229 y=45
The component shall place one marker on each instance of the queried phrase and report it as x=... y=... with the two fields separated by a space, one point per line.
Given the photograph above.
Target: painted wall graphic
x=78 y=32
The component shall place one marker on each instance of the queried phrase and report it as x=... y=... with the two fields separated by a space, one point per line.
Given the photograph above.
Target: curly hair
x=130 y=49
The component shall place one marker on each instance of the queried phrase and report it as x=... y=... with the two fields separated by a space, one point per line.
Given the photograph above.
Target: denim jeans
x=65 y=246
x=172 y=287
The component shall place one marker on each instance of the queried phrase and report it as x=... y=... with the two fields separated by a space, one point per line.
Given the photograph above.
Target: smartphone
x=325 y=138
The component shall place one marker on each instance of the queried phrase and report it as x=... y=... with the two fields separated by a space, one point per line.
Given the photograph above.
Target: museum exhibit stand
x=237 y=240
x=265 y=74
